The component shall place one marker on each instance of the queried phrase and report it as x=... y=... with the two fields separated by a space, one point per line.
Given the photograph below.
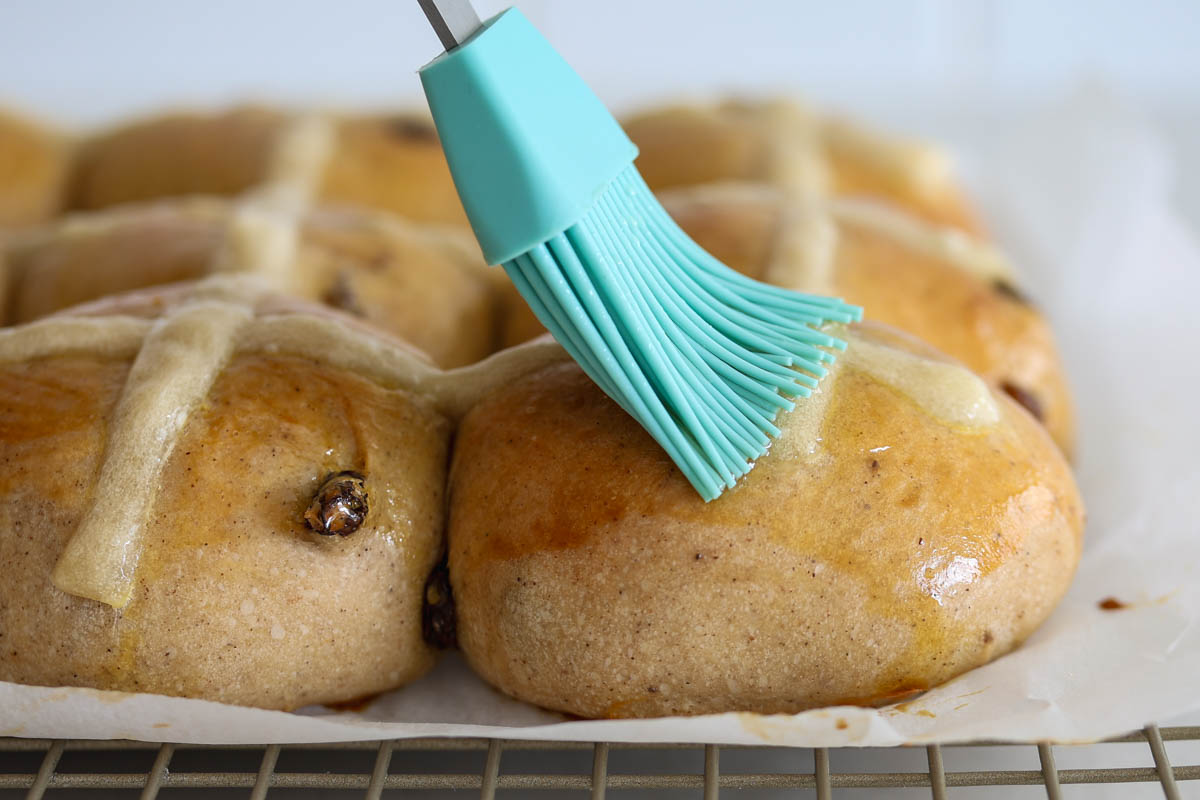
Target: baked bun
x=212 y=490
x=239 y=500
x=425 y=284
x=953 y=292
x=391 y=163
x=785 y=144
x=909 y=525
x=33 y=162
x=948 y=289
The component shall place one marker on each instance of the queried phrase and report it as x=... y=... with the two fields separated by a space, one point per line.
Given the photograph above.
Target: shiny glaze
x=276 y=426
x=879 y=502
x=944 y=389
x=956 y=312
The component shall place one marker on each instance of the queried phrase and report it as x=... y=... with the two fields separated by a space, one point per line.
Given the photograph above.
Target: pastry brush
x=701 y=356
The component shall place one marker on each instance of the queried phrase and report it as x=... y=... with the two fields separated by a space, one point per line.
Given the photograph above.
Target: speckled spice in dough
x=889 y=554
x=233 y=597
x=427 y=285
x=789 y=146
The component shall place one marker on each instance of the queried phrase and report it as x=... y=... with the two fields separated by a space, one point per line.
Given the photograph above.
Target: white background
x=85 y=60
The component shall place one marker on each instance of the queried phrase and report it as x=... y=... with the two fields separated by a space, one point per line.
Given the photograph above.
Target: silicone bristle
x=701 y=356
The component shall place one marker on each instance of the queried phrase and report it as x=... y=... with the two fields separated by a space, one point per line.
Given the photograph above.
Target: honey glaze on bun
x=910 y=524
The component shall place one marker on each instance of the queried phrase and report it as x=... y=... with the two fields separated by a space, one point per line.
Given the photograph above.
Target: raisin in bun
x=785 y=144
x=948 y=289
x=33 y=162
x=910 y=524
x=391 y=163
x=424 y=283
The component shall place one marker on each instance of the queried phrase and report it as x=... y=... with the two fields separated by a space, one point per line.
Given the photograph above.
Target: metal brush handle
x=454 y=21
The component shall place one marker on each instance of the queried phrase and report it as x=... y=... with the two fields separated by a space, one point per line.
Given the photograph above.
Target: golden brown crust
x=985 y=323
x=982 y=321
x=580 y=557
x=176 y=154
x=33 y=162
x=236 y=599
x=591 y=579
x=392 y=163
x=208 y=575
x=738 y=141
x=943 y=203
x=74 y=262
x=389 y=163
x=426 y=285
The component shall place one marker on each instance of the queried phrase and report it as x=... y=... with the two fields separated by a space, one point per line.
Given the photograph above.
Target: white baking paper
x=1078 y=195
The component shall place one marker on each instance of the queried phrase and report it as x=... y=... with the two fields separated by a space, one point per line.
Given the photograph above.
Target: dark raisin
x=341 y=295
x=437 y=613
x=1011 y=292
x=1026 y=398
x=339 y=506
x=411 y=128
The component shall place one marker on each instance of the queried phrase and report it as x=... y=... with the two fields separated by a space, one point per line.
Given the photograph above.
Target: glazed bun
x=216 y=496
x=426 y=284
x=910 y=524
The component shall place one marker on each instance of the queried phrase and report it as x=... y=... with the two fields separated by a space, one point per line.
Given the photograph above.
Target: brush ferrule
x=529 y=145
x=454 y=21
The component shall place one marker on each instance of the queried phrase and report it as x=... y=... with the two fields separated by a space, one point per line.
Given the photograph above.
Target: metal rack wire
x=17 y=757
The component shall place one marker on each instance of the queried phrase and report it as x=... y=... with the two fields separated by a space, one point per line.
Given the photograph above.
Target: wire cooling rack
x=481 y=765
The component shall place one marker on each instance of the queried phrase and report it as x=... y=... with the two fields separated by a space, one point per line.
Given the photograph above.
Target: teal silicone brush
x=702 y=356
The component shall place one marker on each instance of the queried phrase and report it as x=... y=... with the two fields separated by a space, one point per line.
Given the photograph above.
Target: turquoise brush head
x=701 y=356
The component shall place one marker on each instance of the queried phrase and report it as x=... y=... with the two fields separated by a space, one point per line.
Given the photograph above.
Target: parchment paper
x=1079 y=197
